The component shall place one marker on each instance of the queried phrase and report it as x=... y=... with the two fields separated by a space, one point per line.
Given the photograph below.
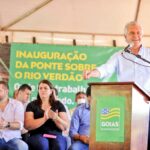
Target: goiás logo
x=110 y=118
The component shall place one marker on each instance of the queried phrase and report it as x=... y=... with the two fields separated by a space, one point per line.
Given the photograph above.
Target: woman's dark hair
x=56 y=91
x=51 y=98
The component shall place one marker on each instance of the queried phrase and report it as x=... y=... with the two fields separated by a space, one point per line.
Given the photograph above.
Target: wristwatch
x=8 y=125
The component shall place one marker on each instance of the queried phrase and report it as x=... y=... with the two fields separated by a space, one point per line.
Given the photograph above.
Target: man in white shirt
x=132 y=64
x=11 y=121
x=23 y=95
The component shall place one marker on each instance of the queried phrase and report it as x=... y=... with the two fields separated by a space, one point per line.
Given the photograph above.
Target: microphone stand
x=138 y=56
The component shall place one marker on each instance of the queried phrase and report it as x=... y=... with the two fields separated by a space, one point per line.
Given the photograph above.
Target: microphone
x=126 y=49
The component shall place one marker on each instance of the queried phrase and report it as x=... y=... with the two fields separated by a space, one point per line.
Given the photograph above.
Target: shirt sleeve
x=30 y=107
x=107 y=69
x=19 y=114
x=75 y=121
x=59 y=106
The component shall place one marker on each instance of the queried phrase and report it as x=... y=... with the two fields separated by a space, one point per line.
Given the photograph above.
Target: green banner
x=62 y=65
x=110 y=115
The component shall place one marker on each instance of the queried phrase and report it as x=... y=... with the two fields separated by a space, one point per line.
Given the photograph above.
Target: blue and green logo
x=110 y=118
x=110 y=115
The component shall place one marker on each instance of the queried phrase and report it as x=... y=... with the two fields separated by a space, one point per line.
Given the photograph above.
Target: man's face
x=134 y=35
x=3 y=92
x=24 y=96
x=80 y=96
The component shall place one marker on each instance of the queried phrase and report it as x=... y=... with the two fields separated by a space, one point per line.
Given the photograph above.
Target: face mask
x=81 y=101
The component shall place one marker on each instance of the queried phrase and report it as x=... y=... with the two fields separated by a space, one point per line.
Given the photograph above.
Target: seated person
x=80 y=98
x=23 y=95
x=47 y=116
x=80 y=125
x=11 y=121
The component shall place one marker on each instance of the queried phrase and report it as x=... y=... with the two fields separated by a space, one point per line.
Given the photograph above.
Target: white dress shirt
x=13 y=112
x=129 y=68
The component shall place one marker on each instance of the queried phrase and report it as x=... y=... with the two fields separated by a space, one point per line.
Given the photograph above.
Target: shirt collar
x=87 y=105
x=141 y=50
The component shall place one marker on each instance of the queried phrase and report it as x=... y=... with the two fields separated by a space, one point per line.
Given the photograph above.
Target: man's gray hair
x=132 y=23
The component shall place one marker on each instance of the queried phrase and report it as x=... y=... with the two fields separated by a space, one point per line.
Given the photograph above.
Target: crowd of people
x=45 y=120
x=46 y=123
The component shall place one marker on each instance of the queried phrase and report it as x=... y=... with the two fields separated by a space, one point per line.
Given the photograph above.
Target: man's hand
x=84 y=139
x=88 y=74
x=3 y=124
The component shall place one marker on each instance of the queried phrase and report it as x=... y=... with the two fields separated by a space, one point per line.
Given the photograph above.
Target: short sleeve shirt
x=49 y=126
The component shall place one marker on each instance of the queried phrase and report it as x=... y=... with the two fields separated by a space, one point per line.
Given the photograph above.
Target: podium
x=119 y=116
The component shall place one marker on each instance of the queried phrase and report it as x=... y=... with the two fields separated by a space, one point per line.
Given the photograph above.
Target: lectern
x=119 y=116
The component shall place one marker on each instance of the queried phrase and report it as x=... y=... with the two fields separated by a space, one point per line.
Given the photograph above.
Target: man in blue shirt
x=80 y=98
x=80 y=125
x=127 y=64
